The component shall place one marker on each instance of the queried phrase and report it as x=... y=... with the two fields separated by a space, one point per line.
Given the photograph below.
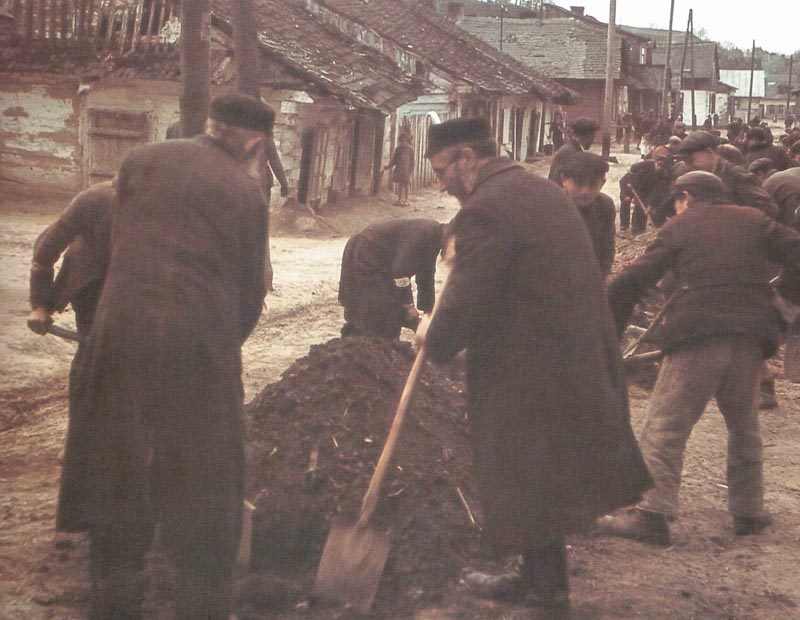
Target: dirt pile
x=314 y=439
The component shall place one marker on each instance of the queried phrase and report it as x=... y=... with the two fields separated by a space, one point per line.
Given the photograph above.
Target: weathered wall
x=39 y=130
x=157 y=96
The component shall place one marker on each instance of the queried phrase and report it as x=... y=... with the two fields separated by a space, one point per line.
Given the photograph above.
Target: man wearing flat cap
x=698 y=151
x=547 y=397
x=718 y=327
x=156 y=430
x=582 y=132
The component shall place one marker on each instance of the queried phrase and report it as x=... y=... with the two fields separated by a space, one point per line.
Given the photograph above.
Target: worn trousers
x=729 y=369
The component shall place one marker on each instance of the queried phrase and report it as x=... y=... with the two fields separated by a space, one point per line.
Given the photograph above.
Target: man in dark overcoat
x=547 y=399
x=81 y=234
x=698 y=151
x=377 y=266
x=157 y=431
x=718 y=327
x=582 y=132
x=582 y=177
x=759 y=146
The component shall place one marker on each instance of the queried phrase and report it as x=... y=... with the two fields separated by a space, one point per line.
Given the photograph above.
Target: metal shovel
x=354 y=556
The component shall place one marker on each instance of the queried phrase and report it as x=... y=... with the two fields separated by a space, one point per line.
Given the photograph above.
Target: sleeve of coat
x=607 y=249
x=253 y=258
x=274 y=159
x=50 y=245
x=472 y=304
x=630 y=286
x=783 y=248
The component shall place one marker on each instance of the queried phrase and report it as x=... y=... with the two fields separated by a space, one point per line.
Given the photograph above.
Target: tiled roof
x=447 y=47
x=563 y=47
x=319 y=54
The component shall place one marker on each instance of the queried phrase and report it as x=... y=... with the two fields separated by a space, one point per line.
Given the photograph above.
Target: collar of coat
x=492 y=168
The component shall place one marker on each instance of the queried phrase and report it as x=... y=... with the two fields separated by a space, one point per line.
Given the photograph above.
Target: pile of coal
x=314 y=438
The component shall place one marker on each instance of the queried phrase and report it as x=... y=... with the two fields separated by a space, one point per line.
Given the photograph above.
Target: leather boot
x=641 y=525
x=545 y=570
x=745 y=526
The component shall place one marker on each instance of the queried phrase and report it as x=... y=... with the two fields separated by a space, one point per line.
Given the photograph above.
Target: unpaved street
x=707 y=573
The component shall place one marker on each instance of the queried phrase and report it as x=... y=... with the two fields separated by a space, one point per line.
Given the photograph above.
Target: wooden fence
x=110 y=25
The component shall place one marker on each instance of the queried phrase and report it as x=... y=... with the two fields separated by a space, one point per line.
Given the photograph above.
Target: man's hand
x=39 y=320
x=411 y=312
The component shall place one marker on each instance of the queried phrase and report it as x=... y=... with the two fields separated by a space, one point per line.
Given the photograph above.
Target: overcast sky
x=772 y=23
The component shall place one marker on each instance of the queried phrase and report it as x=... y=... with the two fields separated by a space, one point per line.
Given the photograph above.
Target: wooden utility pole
x=195 y=45
x=608 y=100
x=752 y=72
x=502 y=20
x=789 y=91
x=666 y=95
x=691 y=70
x=246 y=48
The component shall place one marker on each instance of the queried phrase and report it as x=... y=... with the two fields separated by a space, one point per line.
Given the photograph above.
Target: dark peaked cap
x=700 y=184
x=696 y=141
x=583 y=126
x=457 y=131
x=242 y=111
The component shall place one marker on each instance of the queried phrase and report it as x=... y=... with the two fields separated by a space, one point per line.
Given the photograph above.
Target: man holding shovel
x=547 y=399
x=720 y=325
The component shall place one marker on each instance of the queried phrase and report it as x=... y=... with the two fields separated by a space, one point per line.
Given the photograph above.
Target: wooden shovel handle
x=370 y=501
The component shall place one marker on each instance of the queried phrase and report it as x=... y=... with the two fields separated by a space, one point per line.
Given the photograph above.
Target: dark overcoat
x=158 y=379
x=376 y=265
x=599 y=219
x=742 y=188
x=560 y=158
x=722 y=257
x=547 y=398
x=81 y=233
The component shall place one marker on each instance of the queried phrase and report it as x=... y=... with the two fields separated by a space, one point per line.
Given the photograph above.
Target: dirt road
x=706 y=573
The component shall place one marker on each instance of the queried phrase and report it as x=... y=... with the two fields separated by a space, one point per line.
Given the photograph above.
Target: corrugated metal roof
x=740 y=80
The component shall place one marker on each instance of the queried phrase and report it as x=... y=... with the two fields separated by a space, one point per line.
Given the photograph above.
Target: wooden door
x=107 y=135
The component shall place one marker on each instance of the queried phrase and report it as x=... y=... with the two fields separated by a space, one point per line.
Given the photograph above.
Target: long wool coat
x=376 y=264
x=158 y=379
x=81 y=233
x=547 y=399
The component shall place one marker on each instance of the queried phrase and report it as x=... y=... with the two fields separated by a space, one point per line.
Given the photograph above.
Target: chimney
x=578 y=10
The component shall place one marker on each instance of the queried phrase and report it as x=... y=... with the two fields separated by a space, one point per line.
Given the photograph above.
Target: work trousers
x=728 y=368
x=631 y=214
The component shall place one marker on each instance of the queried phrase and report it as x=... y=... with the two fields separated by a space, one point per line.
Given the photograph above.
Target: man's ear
x=468 y=154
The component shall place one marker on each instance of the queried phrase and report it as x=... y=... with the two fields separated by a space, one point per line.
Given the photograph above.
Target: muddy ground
x=706 y=573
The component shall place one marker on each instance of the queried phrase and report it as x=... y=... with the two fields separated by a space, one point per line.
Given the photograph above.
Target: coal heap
x=314 y=439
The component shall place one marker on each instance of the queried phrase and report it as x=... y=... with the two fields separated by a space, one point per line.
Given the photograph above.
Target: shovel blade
x=791 y=357
x=351 y=566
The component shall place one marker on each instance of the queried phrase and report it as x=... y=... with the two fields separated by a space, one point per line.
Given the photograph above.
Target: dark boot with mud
x=637 y=524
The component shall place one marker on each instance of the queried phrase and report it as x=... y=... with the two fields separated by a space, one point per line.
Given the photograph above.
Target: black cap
x=242 y=111
x=457 y=131
x=757 y=133
x=696 y=141
x=699 y=184
x=584 y=167
x=762 y=164
x=583 y=126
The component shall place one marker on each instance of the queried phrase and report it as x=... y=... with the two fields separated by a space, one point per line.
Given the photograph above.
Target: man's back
x=189 y=226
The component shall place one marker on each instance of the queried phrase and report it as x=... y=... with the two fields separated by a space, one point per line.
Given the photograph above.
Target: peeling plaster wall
x=39 y=130
x=157 y=96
